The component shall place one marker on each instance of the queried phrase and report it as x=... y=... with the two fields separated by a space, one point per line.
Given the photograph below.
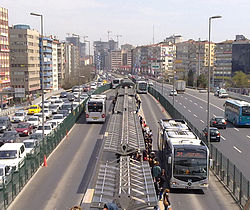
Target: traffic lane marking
x=236 y=129
x=196 y=104
x=201 y=107
x=180 y=103
x=238 y=150
x=195 y=115
x=202 y=121
x=248 y=137
x=191 y=101
x=185 y=107
x=189 y=110
x=223 y=138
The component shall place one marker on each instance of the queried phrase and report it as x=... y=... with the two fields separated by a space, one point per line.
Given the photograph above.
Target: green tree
x=202 y=81
x=240 y=79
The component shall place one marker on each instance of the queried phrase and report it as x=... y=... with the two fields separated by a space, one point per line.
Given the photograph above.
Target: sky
x=134 y=19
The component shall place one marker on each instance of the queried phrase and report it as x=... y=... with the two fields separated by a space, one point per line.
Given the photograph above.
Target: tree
x=240 y=79
x=202 y=81
x=190 y=81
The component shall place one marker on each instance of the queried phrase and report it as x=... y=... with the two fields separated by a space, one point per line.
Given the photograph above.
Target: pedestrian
x=166 y=201
x=76 y=208
x=110 y=206
x=156 y=170
x=163 y=182
x=139 y=103
x=145 y=155
x=157 y=187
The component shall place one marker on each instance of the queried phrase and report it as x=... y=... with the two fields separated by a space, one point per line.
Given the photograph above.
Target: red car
x=24 y=129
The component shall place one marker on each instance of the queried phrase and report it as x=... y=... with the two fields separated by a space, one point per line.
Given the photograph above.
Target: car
x=32 y=146
x=53 y=98
x=202 y=91
x=150 y=84
x=40 y=115
x=65 y=113
x=216 y=92
x=37 y=136
x=5 y=175
x=218 y=122
x=214 y=134
x=45 y=104
x=173 y=92
x=83 y=96
x=58 y=102
x=5 y=124
x=24 y=129
x=67 y=106
x=70 y=97
x=47 y=129
x=34 y=109
x=9 y=137
x=58 y=117
x=19 y=116
x=93 y=86
x=33 y=120
x=54 y=123
x=76 y=94
x=223 y=93
x=53 y=108
x=63 y=95
x=47 y=113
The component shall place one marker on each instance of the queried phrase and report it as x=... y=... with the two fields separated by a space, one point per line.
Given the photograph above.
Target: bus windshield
x=246 y=111
x=95 y=106
x=190 y=163
x=115 y=81
x=143 y=86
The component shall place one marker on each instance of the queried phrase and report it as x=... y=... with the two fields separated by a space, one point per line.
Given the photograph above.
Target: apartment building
x=61 y=63
x=4 y=53
x=24 y=58
x=55 y=44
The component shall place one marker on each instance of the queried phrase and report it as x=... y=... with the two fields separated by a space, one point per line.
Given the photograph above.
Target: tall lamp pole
x=42 y=69
x=208 y=90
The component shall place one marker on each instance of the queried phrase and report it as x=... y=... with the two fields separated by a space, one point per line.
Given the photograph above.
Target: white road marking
x=248 y=137
x=196 y=104
x=223 y=138
x=182 y=96
x=184 y=107
x=214 y=115
x=195 y=115
x=201 y=107
x=202 y=121
x=206 y=110
x=189 y=110
x=180 y=103
x=186 y=98
x=237 y=149
x=176 y=100
x=236 y=129
x=191 y=101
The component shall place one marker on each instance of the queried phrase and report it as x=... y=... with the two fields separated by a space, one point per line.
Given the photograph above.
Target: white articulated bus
x=116 y=82
x=141 y=87
x=96 y=108
x=185 y=156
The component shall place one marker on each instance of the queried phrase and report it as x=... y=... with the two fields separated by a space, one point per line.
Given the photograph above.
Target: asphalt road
x=235 y=142
x=215 y=197
x=63 y=183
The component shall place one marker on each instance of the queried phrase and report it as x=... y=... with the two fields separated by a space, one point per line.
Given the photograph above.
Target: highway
x=235 y=142
x=63 y=183
x=215 y=197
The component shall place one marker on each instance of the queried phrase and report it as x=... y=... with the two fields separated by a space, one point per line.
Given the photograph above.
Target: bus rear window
x=95 y=107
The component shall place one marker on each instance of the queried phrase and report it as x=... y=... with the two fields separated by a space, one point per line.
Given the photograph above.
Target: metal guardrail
x=227 y=172
x=19 y=179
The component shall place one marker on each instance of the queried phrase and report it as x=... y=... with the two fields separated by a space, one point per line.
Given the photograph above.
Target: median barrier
x=32 y=162
x=227 y=172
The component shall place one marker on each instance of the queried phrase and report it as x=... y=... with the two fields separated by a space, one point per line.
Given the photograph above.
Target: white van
x=12 y=154
x=5 y=175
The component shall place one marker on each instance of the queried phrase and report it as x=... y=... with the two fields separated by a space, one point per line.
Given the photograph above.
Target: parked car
x=173 y=92
x=218 y=122
x=34 y=121
x=32 y=146
x=47 y=129
x=5 y=124
x=13 y=154
x=58 y=117
x=9 y=137
x=214 y=134
x=19 y=116
x=24 y=129
x=5 y=175
x=37 y=136
x=34 y=109
x=63 y=95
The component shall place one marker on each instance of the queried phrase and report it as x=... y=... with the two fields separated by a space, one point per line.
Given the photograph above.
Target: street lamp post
x=41 y=16
x=208 y=90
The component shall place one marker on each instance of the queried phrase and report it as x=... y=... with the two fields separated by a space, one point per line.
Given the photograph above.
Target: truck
x=180 y=86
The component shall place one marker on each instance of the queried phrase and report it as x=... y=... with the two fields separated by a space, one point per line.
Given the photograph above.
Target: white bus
x=96 y=108
x=141 y=87
x=116 y=82
x=185 y=156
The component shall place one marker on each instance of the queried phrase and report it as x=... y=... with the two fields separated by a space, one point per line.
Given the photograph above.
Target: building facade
x=4 y=53
x=223 y=62
x=24 y=58
x=61 y=63
x=55 y=44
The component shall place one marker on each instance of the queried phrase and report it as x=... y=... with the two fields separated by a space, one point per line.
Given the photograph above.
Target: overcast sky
x=134 y=19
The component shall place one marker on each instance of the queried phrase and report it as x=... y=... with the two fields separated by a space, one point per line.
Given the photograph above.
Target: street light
x=208 y=90
x=41 y=16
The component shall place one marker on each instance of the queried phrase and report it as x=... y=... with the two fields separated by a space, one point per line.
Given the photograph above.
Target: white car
x=5 y=175
x=47 y=113
x=58 y=117
x=19 y=116
x=58 y=102
x=47 y=129
x=93 y=86
x=34 y=120
x=31 y=145
x=173 y=92
x=40 y=115
x=46 y=104
x=53 y=99
x=53 y=108
x=54 y=123
x=223 y=93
